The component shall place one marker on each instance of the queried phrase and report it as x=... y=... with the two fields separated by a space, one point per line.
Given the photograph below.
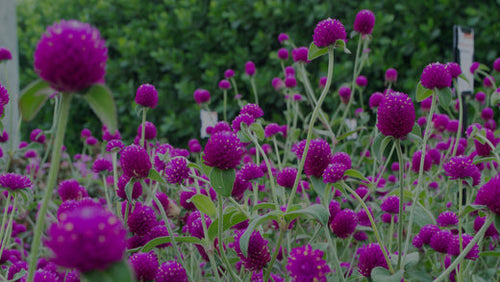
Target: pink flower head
x=147 y=96
x=282 y=37
x=149 y=130
x=489 y=195
x=12 y=181
x=364 y=22
x=474 y=67
x=334 y=172
x=306 y=264
x=322 y=82
x=71 y=56
x=391 y=75
x=224 y=84
x=345 y=94
x=327 y=32
x=252 y=109
x=194 y=146
x=85 y=133
x=171 y=271
x=361 y=81
x=318 y=157
x=258 y=253
x=454 y=69
x=436 y=75
x=344 y=223
x=286 y=177
x=370 y=256
x=278 y=84
x=375 y=100
x=283 y=54
x=300 y=54
x=289 y=71
x=250 y=68
x=135 y=162
x=201 y=96
x=177 y=170
x=396 y=115
x=145 y=265
x=5 y=54
x=290 y=82
x=141 y=219
x=488 y=81
x=447 y=218
x=480 y=97
x=223 y=150
x=37 y=136
x=102 y=165
x=228 y=74
x=390 y=204
x=242 y=118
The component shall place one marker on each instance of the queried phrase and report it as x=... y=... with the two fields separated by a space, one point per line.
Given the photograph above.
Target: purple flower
x=484 y=150
x=390 y=204
x=454 y=246
x=158 y=231
x=202 y=95
x=240 y=186
x=224 y=84
x=487 y=113
x=242 y=118
x=343 y=158
x=145 y=265
x=286 y=177
x=327 y=32
x=122 y=183
x=4 y=136
x=171 y=271
x=300 y=54
x=223 y=150
x=147 y=96
x=361 y=81
x=278 y=84
x=454 y=69
x=149 y=130
x=114 y=145
x=447 y=218
x=252 y=109
x=163 y=198
x=345 y=94
x=71 y=56
x=344 y=223
x=250 y=68
x=318 y=157
x=177 y=170
x=415 y=162
x=322 y=82
x=282 y=37
x=283 y=54
x=141 y=219
x=461 y=167
x=227 y=74
x=87 y=238
x=102 y=165
x=488 y=81
x=91 y=141
x=290 y=82
x=37 y=136
x=474 y=67
x=334 y=172
x=491 y=231
x=306 y=264
x=391 y=75
x=13 y=181
x=258 y=253
x=375 y=99
x=426 y=232
x=440 y=240
x=364 y=22
x=480 y=96
x=135 y=162
x=251 y=171
x=489 y=194
x=194 y=145
x=271 y=129
x=71 y=190
x=396 y=115
x=370 y=256
x=436 y=75
x=5 y=54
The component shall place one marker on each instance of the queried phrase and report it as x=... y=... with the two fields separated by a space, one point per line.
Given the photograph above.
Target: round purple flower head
x=334 y=172
x=289 y=71
x=480 y=96
x=5 y=54
x=496 y=65
x=300 y=54
x=122 y=183
x=37 y=136
x=361 y=81
x=194 y=145
x=282 y=37
x=306 y=264
x=4 y=136
x=141 y=219
x=318 y=157
x=278 y=84
x=147 y=96
x=375 y=99
x=322 y=82
x=364 y=22
x=474 y=67
x=71 y=56
x=227 y=74
x=487 y=113
x=344 y=223
x=454 y=246
x=290 y=82
x=447 y=218
x=436 y=75
x=12 y=181
x=202 y=95
x=343 y=158
x=250 y=68
x=283 y=54
x=258 y=253
x=251 y=171
x=223 y=150
x=171 y=271
x=252 y=109
x=71 y=190
x=488 y=81
x=489 y=194
x=490 y=232
x=327 y=32
x=415 y=162
x=87 y=238
x=221 y=126
x=271 y=130
x=145 y=265
x=426 y=232
x=370 y=256
x=102 y=165
x=390 y=204
x=484 y=149
x=460 y=167
x=177 y=170
x=391 y=75
x=224 y=84
x=345 y=94
x=114 y=145
x=149 y=130
x=396 y=115
x=439 y=241
x=286 y=177
x=454 y=69
x=135 y=162
x=242 y=118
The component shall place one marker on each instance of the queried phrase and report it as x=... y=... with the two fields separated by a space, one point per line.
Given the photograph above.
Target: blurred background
x=180 y=46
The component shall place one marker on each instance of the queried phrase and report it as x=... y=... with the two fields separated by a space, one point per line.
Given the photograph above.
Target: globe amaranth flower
x=370 y=256
x=145 y=265
x=149 y=130
x=202 y=95
x=71 y=190
x=114 y=146
x=278 y=84
x=122 y=183
x=344 y=223
x=391 y=75
x=440 y=240
x=102 y=165
x=272 y=129
x=224 y=84
x=141 y=219
x=242 y=118
x=286 y=177
x=258 y=253
x=390 y=204
x=5 y=54
x=396 y=115
x=223 y=150
x=436 y=75
x=194 y=145
x=227 y=74
x=290 y=82
x=480 y=97
x=176 y=170
x=487 y=113
x=87 y=238
x=147 y=96
x=13 y=181
x=454 y=69
x=300 y=54
x=461 y=167
x=283 y=54
x=158 y=231
x=171 y=271
x=250 y=68
x=135 y=162
x=252 y=109
x=375 y=100
x=91 y=141
x=361 y=81
x=488 y=81
x=426 y=232
x=318 y=156
x=345 y=94
x=37 y=136
x=447 y=218
x=454 y=246
x=491 y=231
x=71 y=56
x=327 y=32
x=489 y=194
x=240 y=186
x=251 y=171
x=334 y=172
x=364 y=22
x=306 y=264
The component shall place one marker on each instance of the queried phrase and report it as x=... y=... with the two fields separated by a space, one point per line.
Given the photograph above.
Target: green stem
x=390 y=234
x=278 y=159
x=115 y=170
x=225 y=105
x=52 y=179
x=221 y=240
x=311 y=125
x=108 y=198
x=336 y=261
x=5 y=212
x=479 y=235
x=235 y=87
x=143 y=128
x=273 y=258
x=254 y=90
x=401 y=199
x=5 y=240
x=461 y=247
x=460 y=120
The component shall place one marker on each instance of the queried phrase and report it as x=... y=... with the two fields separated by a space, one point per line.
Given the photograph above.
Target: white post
x=8 y=39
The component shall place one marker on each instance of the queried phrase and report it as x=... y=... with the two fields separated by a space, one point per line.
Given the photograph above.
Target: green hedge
x=182 y=45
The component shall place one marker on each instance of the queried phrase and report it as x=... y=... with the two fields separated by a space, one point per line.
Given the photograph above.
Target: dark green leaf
x=356 y=174
x=155 y=175
x=222 y=180
x=461 y=76
x=341 y=44
x=496 y=221
x=495 y=98
x=345 y=135
x=470 y=208
x=243 y=136
x=229 y=220
x=117 y=272
x=490 y=254
x=204 y=204
x=319 y=186
x=412 y=259
x=422 y=92
x=263 y=206
x=444 y=97
x=33 y=97
x=101 y=101
x=196 y=166
x=163 y=240
x=482 y=160
x=129 y=189
x=319 y=212
x=417 y=131
x=18 y=275
x=258 y=130
x=245 y=237
x=315 y=52
x=380 y=274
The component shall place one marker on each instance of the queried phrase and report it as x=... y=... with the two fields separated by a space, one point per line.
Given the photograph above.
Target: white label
x=351 y=124
x=207 y=119
x=465 y=47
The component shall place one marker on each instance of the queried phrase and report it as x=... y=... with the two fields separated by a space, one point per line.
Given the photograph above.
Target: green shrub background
x=179 y=46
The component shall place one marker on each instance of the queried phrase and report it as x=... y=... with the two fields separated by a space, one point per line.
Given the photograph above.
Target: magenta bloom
x=202 y=95
x=282 y=37
x=345 y=94
x=223 y=150
x=228 y=74
x=171 y=271
x=141 y=219
x=145 y=265
x=224 y=84
x=147 y=96
x=286 y=177
x=306 y=264
x=327 y=32
x=440 y=240
x=343 y=158
x=5 y=54
x=242 y=118
x=87 y=238
x=71 y=56
x=454 y=246
x=488 y=81
x=251 y=171
x=361 y=81
x=278 y=84
x=396 y=115
x=334 y=172
x=461 y=167
x=447 y=218
x=177 y=170
x=480 y=96
x=122 y=183
x=114 y=145
x=436 y=75
x=102 y=165
x=370 y=256
x=290 y=82
x=135 y=162
x=364 y=22
x=13 y=181
x=318 y=157
x=454 y=69
x=426 y=233
x=300 y=54
x=149 y=130
x=415 y=162
x=487 y=113
x=71 y=190
x=252 y=109
x=258 y=253
x=250 y=68
x=344 y=223
x=283 y=54
x=375 y=100
x=391 y=75
x=322 y=82
x=390 y=204
x=37 y=136
x=272 y=129
x=485 y=149
x=194 y=146
x=489 y=194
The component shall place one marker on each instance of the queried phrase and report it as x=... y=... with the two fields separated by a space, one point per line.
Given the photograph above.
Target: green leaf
x=263 y=206
x=444 y=97
x=18 y=275
x=461 y=76
x=155 y=175
x=417 y=131
x=495 y=98
x=101 y=101
x=222 y=180
x=490 y=254
x=129 y=189
x=319 y=212
x=380 y=274
x=341 y=44
x=117 y=272
x=258 y=130
x=482 y=160
x=412 y=259
x=319 y=186
x=229 y=220
x=163 y=240
x=496 y=221
x=356 y=174
x=315 y=52
x=347 y=134
x=470 y=208
x=243 y=136
x=33 y=97
x=422 y=92
x=196 y=166
x=245 y=237
x=204 y=204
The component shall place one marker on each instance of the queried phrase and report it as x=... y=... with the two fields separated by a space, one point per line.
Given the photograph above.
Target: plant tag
x=207 y=119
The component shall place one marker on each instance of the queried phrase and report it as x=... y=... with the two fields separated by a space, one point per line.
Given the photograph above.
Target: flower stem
x=278 y=159
x=461 y=246
x=336 y=261
x=254 y=90
x=401 y=199
x=8 y=231
x=460 y=120
x=275 y=255
x=220 y=232
x=225 y=105
x=5 y=212
x=143 y=128
x=52 y=179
